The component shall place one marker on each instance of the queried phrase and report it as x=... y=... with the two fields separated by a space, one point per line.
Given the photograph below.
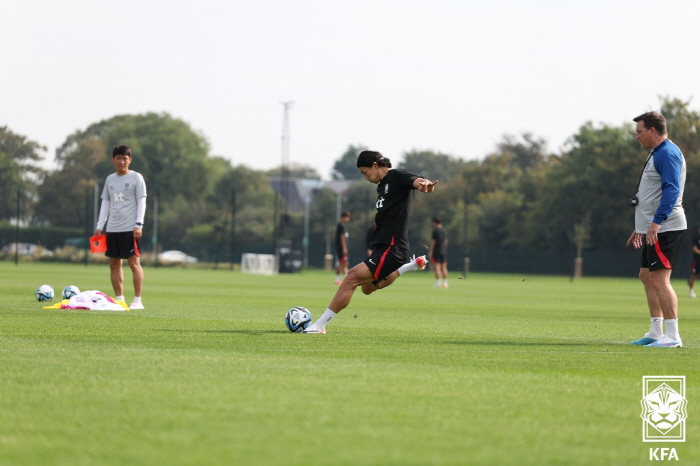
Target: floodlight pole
x=284 y=169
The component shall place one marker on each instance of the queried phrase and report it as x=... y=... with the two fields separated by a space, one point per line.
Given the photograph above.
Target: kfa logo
x=661 y=454
x=663 y=409
x=380 y=203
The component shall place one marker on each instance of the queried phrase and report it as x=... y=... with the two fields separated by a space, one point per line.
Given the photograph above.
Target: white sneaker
x=137 y=305
x=666 y=342
x=692 y=293
x=315 y=330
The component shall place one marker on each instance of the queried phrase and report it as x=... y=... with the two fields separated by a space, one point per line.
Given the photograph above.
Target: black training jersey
x=696 y=243
x=340 y=232
x=439 y=235
x=394 y=208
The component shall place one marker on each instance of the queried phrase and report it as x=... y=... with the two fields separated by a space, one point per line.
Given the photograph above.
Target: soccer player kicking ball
x=390 y=239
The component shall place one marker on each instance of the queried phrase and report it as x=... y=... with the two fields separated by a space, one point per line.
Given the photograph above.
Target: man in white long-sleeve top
x=124 y=202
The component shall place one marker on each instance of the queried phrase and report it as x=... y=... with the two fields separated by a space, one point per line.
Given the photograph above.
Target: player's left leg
x=137 y=271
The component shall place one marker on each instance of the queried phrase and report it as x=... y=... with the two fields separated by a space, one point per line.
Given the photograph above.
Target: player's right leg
x=359 y=275
x=116 y=276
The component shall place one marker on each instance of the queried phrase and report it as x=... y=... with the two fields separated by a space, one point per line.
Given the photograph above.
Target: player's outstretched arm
x=424 y=186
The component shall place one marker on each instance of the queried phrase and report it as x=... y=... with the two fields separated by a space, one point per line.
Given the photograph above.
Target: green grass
x=496 y=370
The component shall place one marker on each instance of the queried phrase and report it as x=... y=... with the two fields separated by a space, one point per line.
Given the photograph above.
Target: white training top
x=123 y=193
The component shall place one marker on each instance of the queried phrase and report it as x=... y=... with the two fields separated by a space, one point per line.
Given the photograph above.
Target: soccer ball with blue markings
x=70 y=291
x=298 y=318
x=44 y=293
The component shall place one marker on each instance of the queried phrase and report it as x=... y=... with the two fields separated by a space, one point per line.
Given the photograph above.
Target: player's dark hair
x=368 y=157
x=344 y=213
x=653 y=120
x=121 y=150
x=437 y=220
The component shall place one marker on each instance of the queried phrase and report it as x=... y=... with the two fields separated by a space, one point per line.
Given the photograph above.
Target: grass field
x=496 y=370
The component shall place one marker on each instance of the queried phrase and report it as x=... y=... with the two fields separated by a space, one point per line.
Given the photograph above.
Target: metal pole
x=87 y=223
x=95 y=211
x=307 y=202
x=284 y=169
x=233 y=225
x=154 y=238
x=19 y=195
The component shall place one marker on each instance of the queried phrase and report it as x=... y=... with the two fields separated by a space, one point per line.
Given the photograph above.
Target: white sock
x=438 y=282
x=337 y=277
x=410 y=267
x=444 y=281
x=119 y=298
x=672 y=329
x=137 y=299
x=325 y=318
x=656 y=329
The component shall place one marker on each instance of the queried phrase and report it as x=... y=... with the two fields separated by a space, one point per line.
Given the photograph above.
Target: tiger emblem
x=664 y=409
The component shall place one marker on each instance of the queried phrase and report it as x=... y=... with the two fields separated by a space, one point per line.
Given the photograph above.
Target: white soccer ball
x=44 y=293
x=297 y=319
x=70 y=291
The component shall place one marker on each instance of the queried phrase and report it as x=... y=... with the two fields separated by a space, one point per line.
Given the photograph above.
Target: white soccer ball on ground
x=297 y=319
x=44 y=293
x=70 y=291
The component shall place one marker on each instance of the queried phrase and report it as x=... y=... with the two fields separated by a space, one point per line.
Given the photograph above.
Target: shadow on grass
x=520 y=343
x=241 y=332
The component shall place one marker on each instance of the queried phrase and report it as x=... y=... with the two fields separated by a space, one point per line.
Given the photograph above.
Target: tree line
x=519 y=197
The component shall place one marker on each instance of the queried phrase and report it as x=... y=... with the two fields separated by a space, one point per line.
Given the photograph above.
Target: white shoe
x=692 y=293
x=666 y=342
x=315 y=330
x=137 y=305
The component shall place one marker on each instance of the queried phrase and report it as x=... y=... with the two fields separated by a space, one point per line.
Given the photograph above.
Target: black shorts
x=342 y=258
x=664 y=253
x=122 y=245
x=695 y=268
x=437 y=258
x=385 y=259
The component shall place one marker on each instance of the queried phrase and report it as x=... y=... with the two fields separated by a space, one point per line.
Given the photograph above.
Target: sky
x=448 y=76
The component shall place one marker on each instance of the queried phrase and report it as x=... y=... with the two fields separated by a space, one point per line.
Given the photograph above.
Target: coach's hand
x=652 y=236
x=98 y=232
x=138 y=233
x=635 y=240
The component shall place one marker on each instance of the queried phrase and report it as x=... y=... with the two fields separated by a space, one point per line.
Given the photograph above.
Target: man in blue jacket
x=660 y=225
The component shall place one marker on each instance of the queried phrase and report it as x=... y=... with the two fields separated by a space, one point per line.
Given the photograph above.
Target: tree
x=596 y=176
x=172 y=158
x=296 y=171
x=345 y=168
x=431 y=165
x=16 y=170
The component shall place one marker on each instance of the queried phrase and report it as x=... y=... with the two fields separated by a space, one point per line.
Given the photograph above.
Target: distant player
x=659 y=227
x=696 y=264
x=387 y=262
x=438 y=243
x=341 y=247
x=124 y=202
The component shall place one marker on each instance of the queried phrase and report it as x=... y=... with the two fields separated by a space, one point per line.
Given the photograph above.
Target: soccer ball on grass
x=70 y=291
x=297 y=319
x=44 y=293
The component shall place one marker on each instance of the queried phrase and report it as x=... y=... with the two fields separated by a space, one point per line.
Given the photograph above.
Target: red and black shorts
x=385 y=259
x=342 y=258
x=664 y=253
x=695 y=268
x=437 y=258
x=122 y=245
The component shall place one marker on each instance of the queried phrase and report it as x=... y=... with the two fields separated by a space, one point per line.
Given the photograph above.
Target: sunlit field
x=496 y=370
